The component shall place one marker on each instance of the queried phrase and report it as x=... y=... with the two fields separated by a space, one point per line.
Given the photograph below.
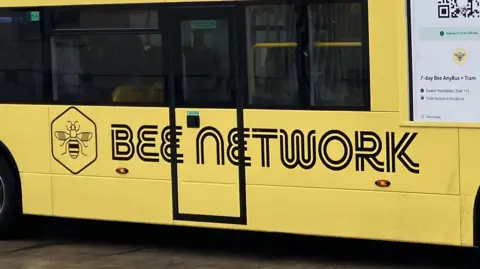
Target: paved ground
x=84 y=244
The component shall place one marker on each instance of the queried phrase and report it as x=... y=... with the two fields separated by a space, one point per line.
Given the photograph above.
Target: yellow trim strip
x=317 y=44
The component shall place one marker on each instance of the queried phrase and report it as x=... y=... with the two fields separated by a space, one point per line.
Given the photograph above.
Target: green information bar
x=203 y=24
x=193 y=113
x=449 y=33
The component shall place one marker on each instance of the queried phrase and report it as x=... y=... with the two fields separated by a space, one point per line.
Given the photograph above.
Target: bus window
x=101 y=64
x=21 y=65
x=92 y=18
x=271 y=69
x=205 y=63
x=308 y=56
x=337 y=60
x=106 y=68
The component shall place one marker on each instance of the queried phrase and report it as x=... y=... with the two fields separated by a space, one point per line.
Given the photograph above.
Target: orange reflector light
x=382 y=183
x=122 y=170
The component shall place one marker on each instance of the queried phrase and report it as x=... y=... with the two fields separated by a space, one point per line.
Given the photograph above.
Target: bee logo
x=74 y=146
x=459 y=56
x=73 y=140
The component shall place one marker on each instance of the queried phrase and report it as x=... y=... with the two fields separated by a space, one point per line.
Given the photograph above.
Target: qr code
x=458 y=9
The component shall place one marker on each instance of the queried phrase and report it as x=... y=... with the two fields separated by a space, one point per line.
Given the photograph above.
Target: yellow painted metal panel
x=469 y=163
x=383 y=39
x=359 y=214
x=103 y=137
x=209 y=199
x=470 y=179
x=25 y=131
x=402 y=61
x=206 y=160
x=466 y=218
x=117 y=199
x=21 y=3
x=438 y=175
x=36 y=194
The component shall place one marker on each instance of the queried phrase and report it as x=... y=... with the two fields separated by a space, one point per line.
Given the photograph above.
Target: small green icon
x=442 y=33
x=34 y=16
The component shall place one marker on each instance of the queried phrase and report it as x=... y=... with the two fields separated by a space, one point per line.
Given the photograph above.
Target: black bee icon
x=460 y=56
x=73 y=140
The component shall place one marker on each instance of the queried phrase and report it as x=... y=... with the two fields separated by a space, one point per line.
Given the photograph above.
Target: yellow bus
x=302 y=117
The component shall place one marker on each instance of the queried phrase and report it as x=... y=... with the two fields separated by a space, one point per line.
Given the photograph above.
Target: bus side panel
x=469 y=161
x=383 y=46
x=129 y=137
x=36 y=194
x=408 y=217
x=349 y=150
x=467 y=203
x=316 y=174
x=86 y=179
x=470 y=179
x=116 y=199
x=405 y=217
x=25 y=132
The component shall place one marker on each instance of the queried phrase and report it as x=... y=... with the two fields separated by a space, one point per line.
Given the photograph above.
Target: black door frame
x=235 y=14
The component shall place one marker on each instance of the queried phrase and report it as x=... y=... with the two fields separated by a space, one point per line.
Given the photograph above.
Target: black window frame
x=48 y=32
x=51 y=32
x=303 y=63
x=234 y=52
x=45 y=60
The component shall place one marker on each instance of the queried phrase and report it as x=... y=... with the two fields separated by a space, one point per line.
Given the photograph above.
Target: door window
x=205 y=62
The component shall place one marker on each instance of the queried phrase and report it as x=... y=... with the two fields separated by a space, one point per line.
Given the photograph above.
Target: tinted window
x=206 y=67
x=104 y=19
x=271 y=36
x=338 y=76
x=21 y=65
x=308 y=56
x=106 y=68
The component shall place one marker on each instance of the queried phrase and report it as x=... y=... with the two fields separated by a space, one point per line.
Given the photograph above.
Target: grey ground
x=84 y=244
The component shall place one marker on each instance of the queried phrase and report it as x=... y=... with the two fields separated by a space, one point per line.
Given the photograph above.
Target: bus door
x=206 y=80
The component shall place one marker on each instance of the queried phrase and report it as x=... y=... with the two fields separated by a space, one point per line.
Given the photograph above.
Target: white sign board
x=444 y=60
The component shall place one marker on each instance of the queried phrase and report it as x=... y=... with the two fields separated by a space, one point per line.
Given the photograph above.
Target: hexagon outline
x=52 y=141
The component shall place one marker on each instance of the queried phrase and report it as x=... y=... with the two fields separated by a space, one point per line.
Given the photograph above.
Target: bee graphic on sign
x=73 y=139
x=459 y=56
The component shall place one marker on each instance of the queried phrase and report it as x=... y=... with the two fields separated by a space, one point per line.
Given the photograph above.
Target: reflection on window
x=21 y=68
x=307 y=55
x=272 y=70
x=336 y=57
x=108 y=68
x=101 y=19
x=206 y=62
